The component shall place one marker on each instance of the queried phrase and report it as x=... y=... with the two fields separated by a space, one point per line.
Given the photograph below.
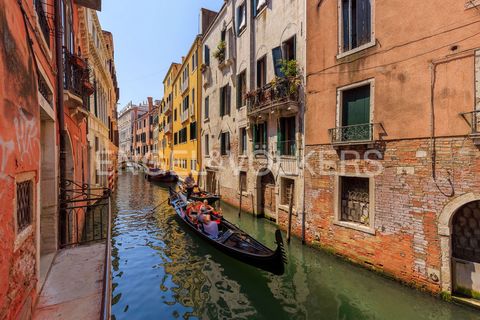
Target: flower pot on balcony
x=88 y=88
x=77 y=61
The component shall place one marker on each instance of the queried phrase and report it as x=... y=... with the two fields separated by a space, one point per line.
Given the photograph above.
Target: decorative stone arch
x=445 y=233
x=289 y=31
x=262 y=51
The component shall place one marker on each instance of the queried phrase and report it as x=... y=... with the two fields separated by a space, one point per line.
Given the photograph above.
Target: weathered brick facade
x=408 y=202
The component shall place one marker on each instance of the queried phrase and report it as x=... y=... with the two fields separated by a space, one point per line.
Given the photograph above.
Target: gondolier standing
x=189 y=184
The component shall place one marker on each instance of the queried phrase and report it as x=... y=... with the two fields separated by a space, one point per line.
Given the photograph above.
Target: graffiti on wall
x=26 y=132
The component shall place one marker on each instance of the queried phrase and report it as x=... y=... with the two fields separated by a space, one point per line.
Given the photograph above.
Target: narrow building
x=252 y=115
x=392 y=156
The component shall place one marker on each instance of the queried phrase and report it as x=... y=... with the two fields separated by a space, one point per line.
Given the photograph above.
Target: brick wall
x=408 y=201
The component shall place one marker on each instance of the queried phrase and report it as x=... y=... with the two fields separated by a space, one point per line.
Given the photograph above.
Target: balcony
x=286 y=148
x=167 y=107
x=473 y=120
x=354 y=134
x=167 y=128
x=77 y=83
x=282 y=95
x=43 y=21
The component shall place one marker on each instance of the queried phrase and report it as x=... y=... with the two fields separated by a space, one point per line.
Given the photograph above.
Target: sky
x=149 y=35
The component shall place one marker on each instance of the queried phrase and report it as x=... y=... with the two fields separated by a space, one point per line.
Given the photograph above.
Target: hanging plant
x=219 y=54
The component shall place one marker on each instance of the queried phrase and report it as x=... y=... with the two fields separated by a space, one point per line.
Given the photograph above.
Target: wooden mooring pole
x=241 y=197
x=290 y=213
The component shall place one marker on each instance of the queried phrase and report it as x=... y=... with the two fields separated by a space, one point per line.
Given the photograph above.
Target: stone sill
x=355 y=226
x=287 y=209
x=371 y=44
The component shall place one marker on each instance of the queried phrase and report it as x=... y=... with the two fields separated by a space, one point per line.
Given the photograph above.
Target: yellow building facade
x=179 y=143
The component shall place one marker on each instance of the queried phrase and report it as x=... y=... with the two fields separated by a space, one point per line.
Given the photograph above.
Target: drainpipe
x=61 y=120
x=303 y=118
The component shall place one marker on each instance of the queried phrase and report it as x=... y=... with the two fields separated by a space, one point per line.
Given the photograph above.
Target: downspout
x=304 y=124
x=61 y=121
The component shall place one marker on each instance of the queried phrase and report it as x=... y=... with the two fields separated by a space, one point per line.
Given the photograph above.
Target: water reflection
x=161 y=271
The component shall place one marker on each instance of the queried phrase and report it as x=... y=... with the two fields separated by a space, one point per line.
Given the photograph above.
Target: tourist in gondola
x=210 y=227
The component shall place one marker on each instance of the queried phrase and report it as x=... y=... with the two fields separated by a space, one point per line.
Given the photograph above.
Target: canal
x=160 y=271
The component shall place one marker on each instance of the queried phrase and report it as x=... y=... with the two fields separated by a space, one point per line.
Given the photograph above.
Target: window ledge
x=262 y=10
x=22 y=237
x=206 y=120
x=286 y=157
x=355 y=226
x=285 y=208
x=365 y=46
x=241 y=31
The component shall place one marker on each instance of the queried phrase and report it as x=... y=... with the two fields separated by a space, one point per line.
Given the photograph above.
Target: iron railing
x=43 y=21
x=76 y=74
x=287 y=148
x=352 y=134
x=86 y=216
x=473 y=119
x=273 y=94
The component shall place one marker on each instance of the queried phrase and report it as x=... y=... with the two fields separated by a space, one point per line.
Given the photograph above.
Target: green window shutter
x=356 y=106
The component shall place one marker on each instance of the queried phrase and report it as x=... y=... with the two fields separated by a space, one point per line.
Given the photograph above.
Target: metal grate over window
x=24 y=205
x=355 y=200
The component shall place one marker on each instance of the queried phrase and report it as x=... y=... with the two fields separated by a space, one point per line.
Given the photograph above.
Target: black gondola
x=235 y=242
x=203 y=195
x=161 y=176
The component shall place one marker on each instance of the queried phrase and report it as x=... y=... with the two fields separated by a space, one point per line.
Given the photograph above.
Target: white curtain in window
x=261 y=3
x=243 y=20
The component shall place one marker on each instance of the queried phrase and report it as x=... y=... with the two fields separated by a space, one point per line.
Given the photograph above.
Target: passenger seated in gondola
x=206 y=207
x=210 y=227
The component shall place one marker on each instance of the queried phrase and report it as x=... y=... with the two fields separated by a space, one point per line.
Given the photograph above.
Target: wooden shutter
x=356 y=106
x=363 y=22
x=228 y=103
x=346 y=25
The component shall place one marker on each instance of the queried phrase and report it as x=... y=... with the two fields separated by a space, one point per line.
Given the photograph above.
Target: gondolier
x=189 y=184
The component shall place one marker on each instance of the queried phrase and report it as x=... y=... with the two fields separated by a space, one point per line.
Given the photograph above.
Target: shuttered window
x=356 y=23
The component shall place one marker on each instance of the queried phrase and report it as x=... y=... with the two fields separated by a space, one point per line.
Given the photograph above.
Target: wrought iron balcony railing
x=184 y=115
x=43 y=21
x=279 y=92
x=473 y=119
x=77 y=76
x=287 y=148
x=352 y=134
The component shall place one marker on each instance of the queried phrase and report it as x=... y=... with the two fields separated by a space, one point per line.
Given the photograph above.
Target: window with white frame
x=356 y=24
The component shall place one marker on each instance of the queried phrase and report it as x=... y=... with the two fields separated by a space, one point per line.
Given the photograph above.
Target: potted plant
x=289 y=68
x=219 y=54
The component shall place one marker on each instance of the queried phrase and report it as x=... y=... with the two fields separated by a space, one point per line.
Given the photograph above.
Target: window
x=243 y=181
x=277 y=61
x=194 y=60
x=258 y=5
x=207 y=55
x=355 y=200
x=207 y=107
x=24 y=205
x=241 y=17
x=289 y=49
x=241 y=90
x=287 y=191
x=207 y=145
x=356 y=26
x=225 y=143
x=182 y=135
x=286 y=143
x=175 y=138
x=193 y=131
x=355 y=115
x=225 y=100
x=260 y=137
x=175 y=115
x=193 y=164
x=262 y=72
x=243 y=141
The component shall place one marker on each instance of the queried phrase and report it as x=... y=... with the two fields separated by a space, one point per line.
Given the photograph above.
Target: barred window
x=287 y=188
x=24 y=205
x=355 y=200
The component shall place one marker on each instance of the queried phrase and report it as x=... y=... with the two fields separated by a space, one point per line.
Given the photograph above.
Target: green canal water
x=161 y=271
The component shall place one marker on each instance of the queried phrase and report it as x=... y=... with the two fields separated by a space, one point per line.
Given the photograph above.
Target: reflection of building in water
x=200 y=283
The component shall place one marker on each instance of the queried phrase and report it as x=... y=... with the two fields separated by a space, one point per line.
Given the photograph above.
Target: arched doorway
x=267 y=199
x=465 y=242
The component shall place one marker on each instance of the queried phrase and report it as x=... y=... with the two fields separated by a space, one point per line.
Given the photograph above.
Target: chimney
x=150 y=104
